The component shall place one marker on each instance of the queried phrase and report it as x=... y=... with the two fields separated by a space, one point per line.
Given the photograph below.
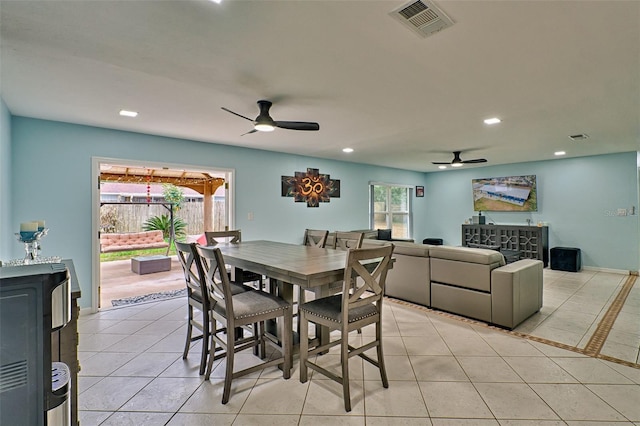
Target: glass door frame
x=229 y=192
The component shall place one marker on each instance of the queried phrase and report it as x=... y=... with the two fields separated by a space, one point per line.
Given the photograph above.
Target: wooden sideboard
x=531 y=241
x=64 y=342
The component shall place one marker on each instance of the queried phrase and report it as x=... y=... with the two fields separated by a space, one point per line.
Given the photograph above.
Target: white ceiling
x=548 y=69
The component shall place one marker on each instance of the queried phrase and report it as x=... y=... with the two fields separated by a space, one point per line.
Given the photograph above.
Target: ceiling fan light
x=263 y=127
x=456 y=164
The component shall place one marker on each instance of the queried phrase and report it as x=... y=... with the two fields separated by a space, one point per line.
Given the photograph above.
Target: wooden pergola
x=202 y=183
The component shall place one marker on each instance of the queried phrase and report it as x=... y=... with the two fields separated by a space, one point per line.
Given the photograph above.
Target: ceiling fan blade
x=239 y=115
x=439 y=162
x=297 y=125
x=477 y=160
x=250 y=131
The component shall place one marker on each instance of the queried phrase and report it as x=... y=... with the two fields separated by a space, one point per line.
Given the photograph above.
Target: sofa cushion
x=467 y=254
x=132 y=241
x=368 y=233
x=461 y=301
x=476 y=276
x=401 y=247
x=409 y=279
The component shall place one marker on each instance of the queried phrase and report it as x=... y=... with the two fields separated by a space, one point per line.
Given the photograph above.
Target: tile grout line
x=599 y=336
x=516 y=333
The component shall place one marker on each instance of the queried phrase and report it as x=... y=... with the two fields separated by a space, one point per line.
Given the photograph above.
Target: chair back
x=365 y=275
x=347 y=240
x=216 y=278
x=215 y=237
x=315 y=238
x=190 y=262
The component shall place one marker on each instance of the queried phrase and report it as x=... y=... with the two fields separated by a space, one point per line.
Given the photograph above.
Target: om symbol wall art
x=310 y=187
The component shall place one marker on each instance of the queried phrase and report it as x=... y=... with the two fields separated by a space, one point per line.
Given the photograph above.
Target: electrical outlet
x=622 y=212
x=250 y=216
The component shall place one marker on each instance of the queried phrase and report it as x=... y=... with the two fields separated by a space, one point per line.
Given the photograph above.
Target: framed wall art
x=311 y=187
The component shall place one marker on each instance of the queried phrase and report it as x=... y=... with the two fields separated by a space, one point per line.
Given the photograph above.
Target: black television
x=509 y=193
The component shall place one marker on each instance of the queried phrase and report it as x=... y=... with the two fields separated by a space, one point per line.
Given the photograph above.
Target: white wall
x=578 y=197
x=52 y=181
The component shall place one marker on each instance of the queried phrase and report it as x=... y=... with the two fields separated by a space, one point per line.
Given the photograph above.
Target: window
x=391 y=209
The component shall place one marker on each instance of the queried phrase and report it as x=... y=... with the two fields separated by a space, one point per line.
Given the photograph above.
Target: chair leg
x=383 y=370
x=189 y=332
x=205 y=342
x=344 y=360
x=304 y=345
x=212 y=351
x=228 y=375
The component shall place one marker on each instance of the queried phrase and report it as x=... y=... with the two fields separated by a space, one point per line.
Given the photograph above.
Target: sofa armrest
x=516 y=292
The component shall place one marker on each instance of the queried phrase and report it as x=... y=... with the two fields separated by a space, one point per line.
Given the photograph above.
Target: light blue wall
x=52 y=175
x=6 y=237
x=50 y=179
x=578 y=197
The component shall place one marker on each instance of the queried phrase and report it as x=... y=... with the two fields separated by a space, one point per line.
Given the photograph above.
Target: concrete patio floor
x=117 y=281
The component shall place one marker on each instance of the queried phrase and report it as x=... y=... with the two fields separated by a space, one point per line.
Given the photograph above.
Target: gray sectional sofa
x=472 y=282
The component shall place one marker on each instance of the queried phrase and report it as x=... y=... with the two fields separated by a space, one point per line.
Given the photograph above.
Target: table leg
x=285 y=291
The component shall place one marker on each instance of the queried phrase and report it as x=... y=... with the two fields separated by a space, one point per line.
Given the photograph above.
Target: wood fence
x=130 y=218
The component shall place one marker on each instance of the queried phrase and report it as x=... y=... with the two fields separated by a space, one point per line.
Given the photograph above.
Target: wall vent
x=422 y=17
x=579 y=137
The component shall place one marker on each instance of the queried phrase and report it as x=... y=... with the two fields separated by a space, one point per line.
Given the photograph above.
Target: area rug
x=150 y=297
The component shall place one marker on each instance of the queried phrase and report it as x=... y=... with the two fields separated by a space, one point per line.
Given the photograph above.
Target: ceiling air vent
x=579 y=137
x=422 y=17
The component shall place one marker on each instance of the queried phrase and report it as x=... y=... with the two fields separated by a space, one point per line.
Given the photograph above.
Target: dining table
x=288 y=265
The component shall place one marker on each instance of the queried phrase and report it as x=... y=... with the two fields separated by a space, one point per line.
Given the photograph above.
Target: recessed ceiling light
x=493 y=120
x=125 y=113
x=347 y=150
x=217 y=1
x=442 y=167
x=559 y=153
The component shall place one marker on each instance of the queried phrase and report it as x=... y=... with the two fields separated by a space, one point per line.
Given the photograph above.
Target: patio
x=117 y=281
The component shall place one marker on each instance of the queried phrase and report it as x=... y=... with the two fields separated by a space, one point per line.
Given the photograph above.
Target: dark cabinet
x=531 y=241
x=64 y=342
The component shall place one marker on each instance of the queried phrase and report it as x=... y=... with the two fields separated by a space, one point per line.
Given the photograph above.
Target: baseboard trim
x=609 y=270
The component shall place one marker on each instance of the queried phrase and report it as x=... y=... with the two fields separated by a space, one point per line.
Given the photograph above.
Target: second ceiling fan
x=458 y=162
x=264 y=123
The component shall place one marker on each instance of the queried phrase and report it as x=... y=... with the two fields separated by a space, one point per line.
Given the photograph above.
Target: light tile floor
x=575 y=303
x=442 y=371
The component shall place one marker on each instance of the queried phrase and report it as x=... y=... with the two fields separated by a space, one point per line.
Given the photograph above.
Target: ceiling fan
x=458 y=162
x=264 y=123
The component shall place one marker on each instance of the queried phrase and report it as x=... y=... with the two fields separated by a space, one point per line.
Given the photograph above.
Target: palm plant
x=163 y=223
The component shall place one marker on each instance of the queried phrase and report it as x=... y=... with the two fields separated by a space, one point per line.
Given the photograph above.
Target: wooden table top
x=292 y=263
